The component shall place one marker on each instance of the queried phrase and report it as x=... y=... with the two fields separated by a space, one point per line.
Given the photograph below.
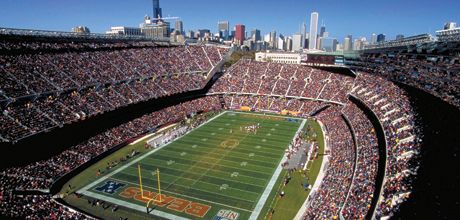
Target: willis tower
x=156 y=9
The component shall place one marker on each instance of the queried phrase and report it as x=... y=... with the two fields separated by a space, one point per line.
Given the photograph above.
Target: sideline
x=321 y=174
x=85 y=189
x=271 y=184
x=152 y=134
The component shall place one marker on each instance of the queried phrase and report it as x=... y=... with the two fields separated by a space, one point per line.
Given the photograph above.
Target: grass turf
x=288 y=206
x=214 y=167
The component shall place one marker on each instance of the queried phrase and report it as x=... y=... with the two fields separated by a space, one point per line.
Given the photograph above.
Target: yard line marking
x=245 y=163
x=271 y=183
x=228 y=166
x=187 y=196
x=198 y=153
x=237 y=154
x=133 y=206
x=91 y=185
x=269 y=151
x=273 y=116
x=132 y=168
x=170 y=153
x=199 y=189
x=242 y=147
x=227 y=151
x=223 y=187
x=109 y=175
x=217 y=161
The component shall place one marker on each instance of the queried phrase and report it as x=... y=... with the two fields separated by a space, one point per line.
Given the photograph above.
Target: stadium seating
x=36 y=207
x=46 y=85
x=252 y=77
x=50 y=84
x=437 y=74
x=354 y=165
x=41 y=175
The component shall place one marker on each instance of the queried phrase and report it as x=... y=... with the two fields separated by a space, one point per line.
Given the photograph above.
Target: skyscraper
x=223 y=29
x=322 y=31
x=313 y=30
x=399 y=37
x=179 y=26
x=297 y=42
x=203 y=32
x=288 y=44
x=373 y=38
x=156 y=9
x=328 y=44
x=240 y=29
x=381 y=38
x=255 y=35
x=303 y=31
x=273 y=39
x=281 y=45
x=190 y=34
x=360 y=43
x=347 y=43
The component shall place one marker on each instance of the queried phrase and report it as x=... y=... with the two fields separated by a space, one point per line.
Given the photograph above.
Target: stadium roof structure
x=62 y=34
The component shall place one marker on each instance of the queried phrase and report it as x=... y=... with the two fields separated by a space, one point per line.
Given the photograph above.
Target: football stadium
x=154 y=123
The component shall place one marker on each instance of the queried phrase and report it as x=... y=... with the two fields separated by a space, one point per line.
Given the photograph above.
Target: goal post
x=153 y=198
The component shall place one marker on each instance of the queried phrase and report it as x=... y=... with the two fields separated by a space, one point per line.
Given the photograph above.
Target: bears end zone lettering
x=172 y=203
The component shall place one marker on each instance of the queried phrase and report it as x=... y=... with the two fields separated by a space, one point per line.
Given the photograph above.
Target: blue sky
x=356 y=17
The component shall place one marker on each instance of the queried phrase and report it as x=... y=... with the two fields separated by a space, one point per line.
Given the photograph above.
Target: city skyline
x=361 y=19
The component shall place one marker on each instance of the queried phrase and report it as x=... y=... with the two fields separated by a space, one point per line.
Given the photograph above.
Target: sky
x=341 y=18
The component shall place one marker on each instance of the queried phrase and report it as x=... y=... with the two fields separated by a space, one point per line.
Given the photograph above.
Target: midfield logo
x=109 y=187
x=225 y=214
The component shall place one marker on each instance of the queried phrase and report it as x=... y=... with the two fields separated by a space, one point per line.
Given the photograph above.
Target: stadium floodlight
x=153 y=198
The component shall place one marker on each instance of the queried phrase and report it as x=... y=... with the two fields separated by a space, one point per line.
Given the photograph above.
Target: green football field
x=218 y=169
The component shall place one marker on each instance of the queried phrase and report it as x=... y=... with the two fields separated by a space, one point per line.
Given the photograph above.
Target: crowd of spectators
x=358 y=191
x=260 y=78
x=299 y=107
x=8 y=45
x=327 y=201
x=362 y=190
x=143 y=73
x=36 y=207
x=393 y=108
x=40 y=175
x=435 y=74
x=44 y=89
x=349 y=184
